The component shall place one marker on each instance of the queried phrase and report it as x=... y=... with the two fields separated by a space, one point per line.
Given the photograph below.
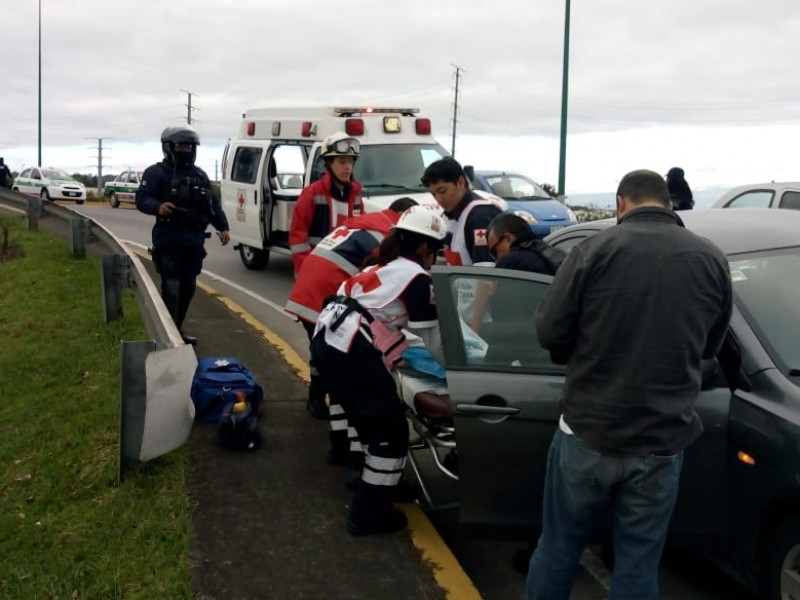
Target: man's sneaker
x=318 y=409
x=391 y=521
x=189 y=339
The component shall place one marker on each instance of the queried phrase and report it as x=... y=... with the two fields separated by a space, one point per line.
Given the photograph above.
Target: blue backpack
x=215 y=381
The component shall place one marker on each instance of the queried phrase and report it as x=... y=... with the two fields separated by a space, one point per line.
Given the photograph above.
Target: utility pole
x=459 y=70
x=189 y=107
x=216 y=170
x=562 y=161
x=39 y=164
x=100 y=158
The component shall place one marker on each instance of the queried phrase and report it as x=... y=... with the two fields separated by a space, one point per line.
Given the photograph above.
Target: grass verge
x=66 y=529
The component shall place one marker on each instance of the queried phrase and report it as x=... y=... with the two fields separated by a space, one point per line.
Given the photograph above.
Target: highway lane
x=263 y=294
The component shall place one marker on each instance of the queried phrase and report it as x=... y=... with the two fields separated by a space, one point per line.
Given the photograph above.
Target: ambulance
x=275 y=154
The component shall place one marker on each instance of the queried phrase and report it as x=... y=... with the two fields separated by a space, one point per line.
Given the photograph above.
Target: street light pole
x=40 y=84
x=564 y=95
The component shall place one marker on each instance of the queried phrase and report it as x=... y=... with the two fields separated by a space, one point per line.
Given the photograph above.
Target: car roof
x=754 y=187
x=493 y=173
x=734 y=231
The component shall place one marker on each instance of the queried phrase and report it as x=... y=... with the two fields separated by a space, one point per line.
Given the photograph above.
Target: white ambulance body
x=276 y=154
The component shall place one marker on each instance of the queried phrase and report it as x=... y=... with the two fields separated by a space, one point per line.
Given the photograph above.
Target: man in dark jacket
x=632 y=312
x=513 y=246
x=179 y=195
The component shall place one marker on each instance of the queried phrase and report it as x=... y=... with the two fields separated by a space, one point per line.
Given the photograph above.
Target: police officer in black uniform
x=179 y=195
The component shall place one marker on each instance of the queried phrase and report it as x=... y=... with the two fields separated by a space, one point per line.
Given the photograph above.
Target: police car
x=123 y=188
x=49 y=184
x=259 y=185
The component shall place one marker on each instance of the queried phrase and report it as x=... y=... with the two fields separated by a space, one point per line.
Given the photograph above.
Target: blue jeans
x=580 y=483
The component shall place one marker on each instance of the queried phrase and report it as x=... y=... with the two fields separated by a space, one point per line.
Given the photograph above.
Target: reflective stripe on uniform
x=337 y=259
x=338 y=418
x=314 y=240
x=382 y=471
x=304 y=247
x=321 y=199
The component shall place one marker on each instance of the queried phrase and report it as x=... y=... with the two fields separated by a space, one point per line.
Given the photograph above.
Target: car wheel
x=45 y=195
x=112 y=197
x=15 y=189
x=782 y=567
x=80 y=201
x=253 y=258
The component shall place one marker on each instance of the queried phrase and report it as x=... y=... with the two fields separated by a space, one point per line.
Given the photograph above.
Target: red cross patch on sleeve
x=480 y=237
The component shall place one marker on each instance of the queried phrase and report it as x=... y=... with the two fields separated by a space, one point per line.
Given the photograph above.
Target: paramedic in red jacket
x=340 y=255
x=328 y=202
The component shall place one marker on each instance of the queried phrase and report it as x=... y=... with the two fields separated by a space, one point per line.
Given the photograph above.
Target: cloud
x=116 y=69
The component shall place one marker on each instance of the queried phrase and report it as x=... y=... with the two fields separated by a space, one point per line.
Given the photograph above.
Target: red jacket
x=317 y=213
x=336 y=258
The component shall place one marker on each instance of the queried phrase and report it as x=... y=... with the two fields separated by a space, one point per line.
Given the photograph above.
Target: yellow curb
x=435 y=554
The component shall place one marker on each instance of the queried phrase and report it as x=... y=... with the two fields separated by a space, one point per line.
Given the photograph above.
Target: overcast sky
x=708 y=85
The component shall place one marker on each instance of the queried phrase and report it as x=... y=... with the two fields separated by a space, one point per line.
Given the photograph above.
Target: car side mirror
x=469 y=171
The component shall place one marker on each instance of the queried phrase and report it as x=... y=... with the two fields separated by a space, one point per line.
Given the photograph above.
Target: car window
x=245 y=164
x=496 y=322
x=35 y=174
x=790 y=200
x=385 y=169
x=753 y=199
x=516 y=186
x=25 y=173
x=765 y=289
x=289 y=160
x=132 y=177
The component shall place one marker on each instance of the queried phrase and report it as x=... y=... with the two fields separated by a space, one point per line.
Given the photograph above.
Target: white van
x=276 y=153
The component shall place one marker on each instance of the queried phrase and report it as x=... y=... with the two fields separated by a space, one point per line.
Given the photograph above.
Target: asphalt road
x=684 y=575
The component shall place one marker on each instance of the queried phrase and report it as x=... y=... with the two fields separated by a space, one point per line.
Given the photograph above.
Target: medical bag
x=215 y=382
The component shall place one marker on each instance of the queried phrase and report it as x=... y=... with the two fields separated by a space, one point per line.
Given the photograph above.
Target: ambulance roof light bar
x=347 y=111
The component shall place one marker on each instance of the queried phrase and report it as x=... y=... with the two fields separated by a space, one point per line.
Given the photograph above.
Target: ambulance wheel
x=253 y=258
x=112 y=197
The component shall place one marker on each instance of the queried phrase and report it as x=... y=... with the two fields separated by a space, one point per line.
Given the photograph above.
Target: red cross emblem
x=241 y=199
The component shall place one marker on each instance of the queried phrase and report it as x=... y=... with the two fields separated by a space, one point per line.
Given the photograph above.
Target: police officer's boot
x=372 y=511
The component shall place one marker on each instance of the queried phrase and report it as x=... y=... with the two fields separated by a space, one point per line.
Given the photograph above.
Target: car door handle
x=479 y=409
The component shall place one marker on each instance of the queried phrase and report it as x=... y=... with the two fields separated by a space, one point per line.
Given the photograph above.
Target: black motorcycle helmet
x=184 y=135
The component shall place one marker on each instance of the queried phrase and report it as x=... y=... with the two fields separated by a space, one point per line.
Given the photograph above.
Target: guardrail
x=156 y=411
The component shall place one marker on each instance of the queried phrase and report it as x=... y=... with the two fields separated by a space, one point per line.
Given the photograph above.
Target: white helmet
x=340 y=144
x=424 y=222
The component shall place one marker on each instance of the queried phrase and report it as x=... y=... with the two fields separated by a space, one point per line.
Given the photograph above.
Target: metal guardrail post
x=34 y=212
x=80 y=237
x=112 y=281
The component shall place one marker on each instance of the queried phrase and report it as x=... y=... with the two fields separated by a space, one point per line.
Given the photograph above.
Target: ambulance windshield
x=386 y=169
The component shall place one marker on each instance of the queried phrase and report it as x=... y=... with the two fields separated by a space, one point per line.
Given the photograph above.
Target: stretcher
x=430 y=417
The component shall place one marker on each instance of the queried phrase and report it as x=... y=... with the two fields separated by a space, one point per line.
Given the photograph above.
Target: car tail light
x=423 y=126
x=307 y=129
x=251 y=128
x=354 y=127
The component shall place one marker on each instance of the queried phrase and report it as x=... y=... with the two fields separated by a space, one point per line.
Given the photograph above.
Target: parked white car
x=762 y=195
x=49 y=184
